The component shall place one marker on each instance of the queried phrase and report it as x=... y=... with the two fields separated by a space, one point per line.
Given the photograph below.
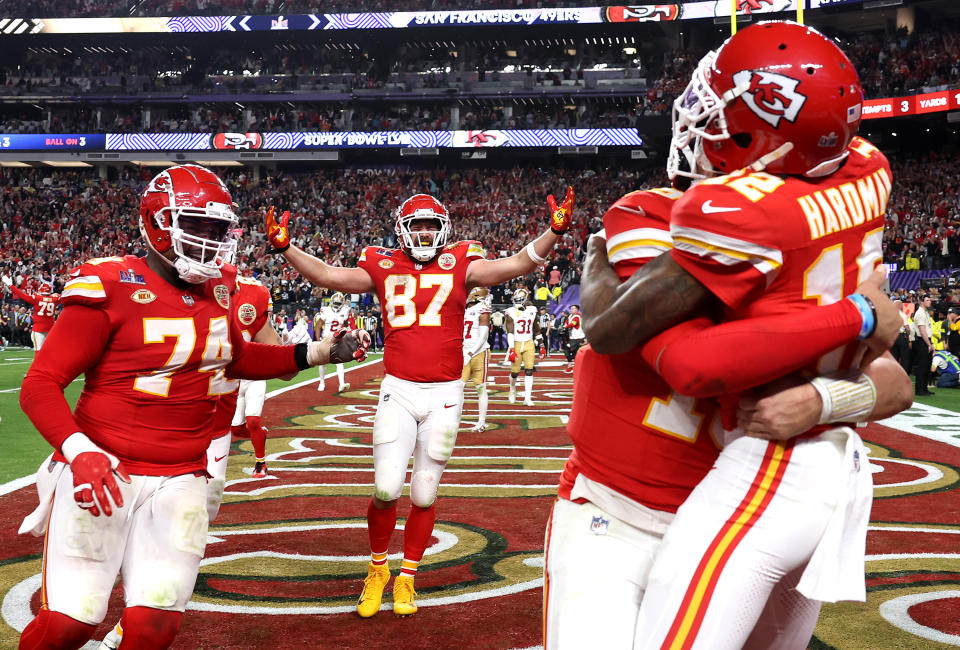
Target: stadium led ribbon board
x=304 y=141
x=943 y=100
x=399 y=19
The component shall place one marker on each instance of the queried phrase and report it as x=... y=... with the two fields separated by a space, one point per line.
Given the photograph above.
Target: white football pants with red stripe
x=731 y=560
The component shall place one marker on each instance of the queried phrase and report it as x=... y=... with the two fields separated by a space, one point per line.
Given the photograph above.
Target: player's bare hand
x=888 y=316
x=349 y=345
x=562 y=216
x=278 y=232
x=781 y=410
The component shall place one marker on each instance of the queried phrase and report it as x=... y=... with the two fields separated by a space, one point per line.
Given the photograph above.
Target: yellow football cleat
x=403 y=595
x=378 y=575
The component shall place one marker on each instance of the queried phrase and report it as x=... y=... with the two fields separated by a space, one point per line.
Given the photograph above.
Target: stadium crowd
x=54 y=220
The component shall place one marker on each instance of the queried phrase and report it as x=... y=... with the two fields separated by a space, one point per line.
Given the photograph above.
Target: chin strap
x=761 y=163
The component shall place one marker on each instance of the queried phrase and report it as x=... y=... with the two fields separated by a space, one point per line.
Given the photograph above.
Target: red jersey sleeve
x=74 y=345
x=637 y=228
x=723 y=238
x=22 y=295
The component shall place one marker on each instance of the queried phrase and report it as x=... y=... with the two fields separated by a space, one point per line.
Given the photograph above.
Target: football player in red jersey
x=151 y=335
x=794 y=219
x=422 y=287
x=628 y=474
x=44 y=304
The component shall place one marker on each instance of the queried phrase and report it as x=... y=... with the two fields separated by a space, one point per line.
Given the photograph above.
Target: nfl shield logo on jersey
x=599 y=525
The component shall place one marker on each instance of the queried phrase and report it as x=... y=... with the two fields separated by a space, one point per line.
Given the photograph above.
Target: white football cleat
x=528 y=402
x=512 y=398
x=321 y=387
x=479 y=427
x=344 y=387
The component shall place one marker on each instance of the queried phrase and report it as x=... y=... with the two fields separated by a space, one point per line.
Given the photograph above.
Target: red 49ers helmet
x=778 y=96
x=187 y=208
x=422 y=245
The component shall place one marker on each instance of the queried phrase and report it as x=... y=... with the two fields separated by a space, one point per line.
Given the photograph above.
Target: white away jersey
x=333 y=319
x=471 y=324
x=523 y=319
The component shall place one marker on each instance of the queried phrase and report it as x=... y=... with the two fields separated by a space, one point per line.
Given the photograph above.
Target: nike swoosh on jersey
x=217 y=459
x=709 y=208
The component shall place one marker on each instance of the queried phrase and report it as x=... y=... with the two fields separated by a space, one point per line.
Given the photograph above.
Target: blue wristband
x=868 y=312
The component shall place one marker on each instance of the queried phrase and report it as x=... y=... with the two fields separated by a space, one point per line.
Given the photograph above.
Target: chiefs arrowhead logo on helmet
x=772 y=96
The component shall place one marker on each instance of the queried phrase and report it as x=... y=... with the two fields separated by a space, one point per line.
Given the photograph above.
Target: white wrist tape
x=532 y=254
x=845 y=399
x=316 y=353
x=78 y=443
x=509 y=340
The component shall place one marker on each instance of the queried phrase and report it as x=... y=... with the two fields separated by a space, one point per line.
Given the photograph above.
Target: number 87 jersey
x=423 y=305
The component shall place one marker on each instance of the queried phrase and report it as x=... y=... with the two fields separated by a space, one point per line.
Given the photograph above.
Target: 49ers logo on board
x=772 y=96
x=247 y=313
x=447 y=261
x=640 y=13
x=237 y=141
x=222 y=294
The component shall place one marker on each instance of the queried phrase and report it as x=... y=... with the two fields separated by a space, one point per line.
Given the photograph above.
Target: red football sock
x=239 y=431
x=380 y=525
x=416 y=536
x=53 y=630
x=258 y=436
x=146 y=628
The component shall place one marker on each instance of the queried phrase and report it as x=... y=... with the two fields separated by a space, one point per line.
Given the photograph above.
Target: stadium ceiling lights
x=152 y=163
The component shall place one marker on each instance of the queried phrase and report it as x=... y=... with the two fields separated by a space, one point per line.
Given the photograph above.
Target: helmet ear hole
x=742 y=140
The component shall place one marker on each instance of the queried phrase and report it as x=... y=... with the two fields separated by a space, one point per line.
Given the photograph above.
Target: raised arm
x=318 y=272
x=488 y=273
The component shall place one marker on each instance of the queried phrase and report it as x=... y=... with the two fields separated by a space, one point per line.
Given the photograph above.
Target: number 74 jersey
x=423 y=307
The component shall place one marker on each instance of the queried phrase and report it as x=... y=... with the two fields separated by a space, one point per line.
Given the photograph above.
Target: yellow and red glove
x=562 y=216
x=278 y=233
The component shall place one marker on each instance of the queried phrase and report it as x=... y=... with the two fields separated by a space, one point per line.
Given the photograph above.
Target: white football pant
x=155 y=541
x=250 y=398
x=418 y=419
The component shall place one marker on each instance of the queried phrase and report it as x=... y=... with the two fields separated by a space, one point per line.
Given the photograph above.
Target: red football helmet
x=188 y=208
x=45 y=288
x=778 y=96
x=422 y=245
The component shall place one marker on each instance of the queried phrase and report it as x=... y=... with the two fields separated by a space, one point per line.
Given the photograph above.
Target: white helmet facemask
x=423 y=245
x=203 y=239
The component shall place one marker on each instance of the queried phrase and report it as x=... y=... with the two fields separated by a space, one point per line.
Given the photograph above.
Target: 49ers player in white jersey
x=422 y=287
x=328 y=321
x=774 y=527
x=476 y=349
x=523 y=329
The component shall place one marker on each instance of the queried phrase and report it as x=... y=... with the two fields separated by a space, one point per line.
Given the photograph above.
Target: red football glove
x=512 y=355
x=277 y=231
x=543 y=352
x=93 y=474
x=562 y=216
